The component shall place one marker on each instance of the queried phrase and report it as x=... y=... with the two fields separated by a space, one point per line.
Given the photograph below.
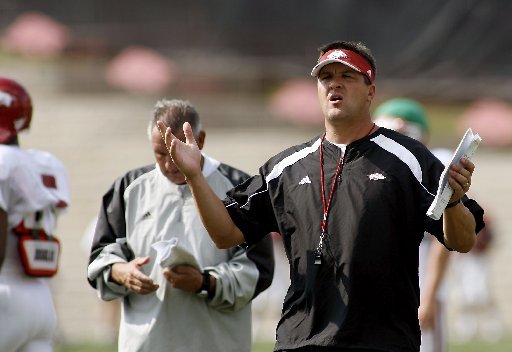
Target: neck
x=349 y=134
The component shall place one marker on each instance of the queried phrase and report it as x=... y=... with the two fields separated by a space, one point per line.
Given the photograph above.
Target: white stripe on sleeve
x=290 y=160
x=401 y=153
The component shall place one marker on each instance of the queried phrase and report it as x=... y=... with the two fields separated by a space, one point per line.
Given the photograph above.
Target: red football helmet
x=15 y=109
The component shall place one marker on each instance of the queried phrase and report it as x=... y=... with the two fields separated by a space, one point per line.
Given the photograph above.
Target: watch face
x=203 y=294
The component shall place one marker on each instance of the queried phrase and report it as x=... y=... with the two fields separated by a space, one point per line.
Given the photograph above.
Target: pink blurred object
x=491 y=119
x=297 y=101
x=140 y=70
x=36 y=35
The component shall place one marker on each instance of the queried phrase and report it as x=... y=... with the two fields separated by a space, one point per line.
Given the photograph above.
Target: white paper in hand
x=170 y=254
x=467 y=147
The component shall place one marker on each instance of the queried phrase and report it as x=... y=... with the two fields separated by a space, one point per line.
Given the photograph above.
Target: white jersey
x=434 y=340
x=30 y=181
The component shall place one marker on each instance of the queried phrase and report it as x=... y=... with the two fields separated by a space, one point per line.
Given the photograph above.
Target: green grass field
x=504 y=345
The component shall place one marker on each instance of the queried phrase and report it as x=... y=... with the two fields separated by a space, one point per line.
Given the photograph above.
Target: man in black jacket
x=351 y=207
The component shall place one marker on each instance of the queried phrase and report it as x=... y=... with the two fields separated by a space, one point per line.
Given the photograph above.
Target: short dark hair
x=357 y=47
x=174 y=113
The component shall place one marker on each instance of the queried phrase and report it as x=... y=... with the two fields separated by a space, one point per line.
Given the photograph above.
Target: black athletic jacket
x=365 y=294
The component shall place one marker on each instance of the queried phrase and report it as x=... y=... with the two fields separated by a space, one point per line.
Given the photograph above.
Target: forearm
x=459 y=228
x=436 y=269
x=106 y=288
x=99 y=269
x=214 y=215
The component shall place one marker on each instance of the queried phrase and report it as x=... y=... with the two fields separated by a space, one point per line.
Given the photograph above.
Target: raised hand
x=184 y=151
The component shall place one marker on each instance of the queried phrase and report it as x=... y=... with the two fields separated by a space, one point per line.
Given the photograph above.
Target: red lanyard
x=322 y=186
x=327 y=205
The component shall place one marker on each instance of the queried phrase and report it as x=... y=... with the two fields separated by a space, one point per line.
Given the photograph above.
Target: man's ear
x=200 y=139
x=371 y=92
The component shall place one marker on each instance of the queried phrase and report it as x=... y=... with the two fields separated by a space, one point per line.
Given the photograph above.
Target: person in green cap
x=403 y=115
x=408 y=117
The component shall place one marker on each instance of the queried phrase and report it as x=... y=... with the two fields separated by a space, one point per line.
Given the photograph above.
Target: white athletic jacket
x=144 y=207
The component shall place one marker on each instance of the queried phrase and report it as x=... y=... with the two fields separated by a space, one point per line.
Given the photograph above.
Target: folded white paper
x=467 y=147
x=171 y=253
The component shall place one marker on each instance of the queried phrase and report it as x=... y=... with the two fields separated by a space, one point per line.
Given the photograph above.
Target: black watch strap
x=452 y=204
x=204 y=291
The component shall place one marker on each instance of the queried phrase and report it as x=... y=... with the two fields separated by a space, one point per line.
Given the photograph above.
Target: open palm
x=185 y=154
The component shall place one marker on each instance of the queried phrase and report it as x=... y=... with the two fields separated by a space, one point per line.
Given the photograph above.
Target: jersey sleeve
x=109 y=243
x=234 y=287
x=250 y=207
x=32 y=181
x=53 y=175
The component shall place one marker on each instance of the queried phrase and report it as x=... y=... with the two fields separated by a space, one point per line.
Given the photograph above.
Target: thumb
x=189 y=136
x=168 y=138
x=142 y=261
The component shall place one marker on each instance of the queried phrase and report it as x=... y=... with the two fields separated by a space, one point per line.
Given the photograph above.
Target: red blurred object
x=140 y=70
x=15 y=109
x=491 y=119
x=297 y=101
x=36 y=35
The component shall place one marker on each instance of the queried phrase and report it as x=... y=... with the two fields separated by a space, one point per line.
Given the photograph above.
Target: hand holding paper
x=466 y=149
x=170 y=253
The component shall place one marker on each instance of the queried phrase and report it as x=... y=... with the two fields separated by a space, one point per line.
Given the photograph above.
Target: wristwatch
x=204 y=290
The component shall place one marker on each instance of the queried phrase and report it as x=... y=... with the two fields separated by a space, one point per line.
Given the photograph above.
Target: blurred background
x=96 y=68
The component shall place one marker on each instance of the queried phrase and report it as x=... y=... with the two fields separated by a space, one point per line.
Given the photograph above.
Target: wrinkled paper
x=467 y=147
x=171 y=253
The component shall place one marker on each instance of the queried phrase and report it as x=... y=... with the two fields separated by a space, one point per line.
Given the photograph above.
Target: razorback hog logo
x=336 y=55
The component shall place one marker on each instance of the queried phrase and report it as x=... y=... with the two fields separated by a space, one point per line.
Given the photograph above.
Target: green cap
x=404 y=108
